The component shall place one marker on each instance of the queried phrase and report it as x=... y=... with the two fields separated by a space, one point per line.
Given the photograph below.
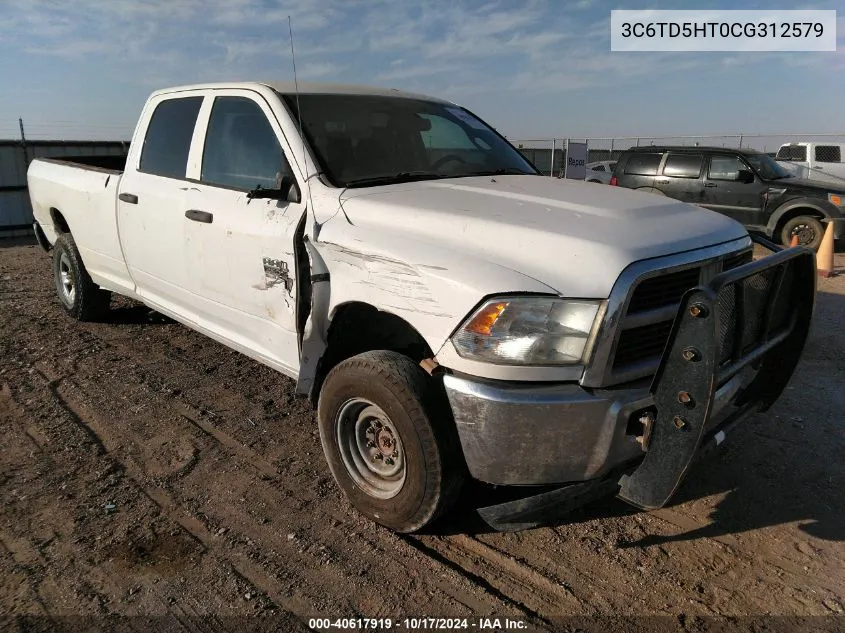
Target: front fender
x=823 y=207
x=431 y=287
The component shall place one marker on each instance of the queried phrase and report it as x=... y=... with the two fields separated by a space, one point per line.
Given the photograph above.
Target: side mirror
x=287 y=190
x=291 y=189
x=745 y=176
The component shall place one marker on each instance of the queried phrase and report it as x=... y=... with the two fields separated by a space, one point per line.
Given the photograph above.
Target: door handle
x=131 y=198
x=710 y=184
x=199 y=216
x=662 y=182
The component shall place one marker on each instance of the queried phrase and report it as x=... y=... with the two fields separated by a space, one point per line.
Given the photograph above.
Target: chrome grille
x=652 y=308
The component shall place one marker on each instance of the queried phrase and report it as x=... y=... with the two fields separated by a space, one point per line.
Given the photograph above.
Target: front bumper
x=733 y=348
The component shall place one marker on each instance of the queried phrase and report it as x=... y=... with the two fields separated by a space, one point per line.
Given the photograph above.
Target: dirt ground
x=152 y=479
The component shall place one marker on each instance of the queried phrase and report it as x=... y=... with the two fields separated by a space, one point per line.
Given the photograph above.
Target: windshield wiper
x=402 y=176
x=502 y=171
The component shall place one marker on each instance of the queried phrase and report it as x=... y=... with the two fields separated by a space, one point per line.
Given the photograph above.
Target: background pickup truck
x=450 y=312
x=817 y=161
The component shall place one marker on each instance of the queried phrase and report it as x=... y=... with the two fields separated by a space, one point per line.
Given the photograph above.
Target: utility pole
x=23 y=143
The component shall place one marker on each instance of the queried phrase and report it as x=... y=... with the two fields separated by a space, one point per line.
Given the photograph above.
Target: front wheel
x=385 y=430
x=807 y=229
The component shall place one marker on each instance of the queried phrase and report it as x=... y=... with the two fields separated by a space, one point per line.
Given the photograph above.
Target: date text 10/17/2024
x=418 y=624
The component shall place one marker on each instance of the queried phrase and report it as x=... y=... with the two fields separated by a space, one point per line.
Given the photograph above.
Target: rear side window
x=598 y=168
x=828 y=154
x=241 y=149
x=792 y=152
x=643 y=164
x=168 y=140
x=683 y=165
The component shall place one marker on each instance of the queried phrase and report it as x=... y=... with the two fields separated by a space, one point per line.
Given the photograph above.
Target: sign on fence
x=576 y=161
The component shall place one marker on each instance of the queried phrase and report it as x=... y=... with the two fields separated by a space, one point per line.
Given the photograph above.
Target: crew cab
x=451 y=313
x=818 y=161
x=744 y=184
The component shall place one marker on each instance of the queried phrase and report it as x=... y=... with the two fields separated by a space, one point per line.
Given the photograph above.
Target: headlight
x=528 y=331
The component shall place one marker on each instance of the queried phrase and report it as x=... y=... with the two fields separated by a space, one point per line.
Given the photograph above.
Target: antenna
x=299 y=116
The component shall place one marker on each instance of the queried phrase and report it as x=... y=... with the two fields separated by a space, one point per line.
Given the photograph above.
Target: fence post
x=740 y=141
x=552 y=162
x=638 y=142
x=23 y=145
x=611 y=149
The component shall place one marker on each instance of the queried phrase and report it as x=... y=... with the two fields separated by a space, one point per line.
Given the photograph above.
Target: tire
x=79 y=295
x=808 y=229
x=382 y=397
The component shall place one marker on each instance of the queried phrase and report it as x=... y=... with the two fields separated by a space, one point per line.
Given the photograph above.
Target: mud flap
x=757 y=315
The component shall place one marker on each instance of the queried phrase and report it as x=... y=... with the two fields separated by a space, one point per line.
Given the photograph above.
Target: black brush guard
x=752 y=319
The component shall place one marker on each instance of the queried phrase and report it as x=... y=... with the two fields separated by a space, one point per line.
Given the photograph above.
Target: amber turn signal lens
x=483 y=322
x=837 y=200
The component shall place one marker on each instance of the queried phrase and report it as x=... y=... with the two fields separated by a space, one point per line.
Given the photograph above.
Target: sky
x=82 y=69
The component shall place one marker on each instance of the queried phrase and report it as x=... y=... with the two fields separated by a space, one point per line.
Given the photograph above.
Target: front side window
x=168 y=139
x=241 y=149
x=828 y=154
x=726 y=167
x=366 y=140
x=598 y=168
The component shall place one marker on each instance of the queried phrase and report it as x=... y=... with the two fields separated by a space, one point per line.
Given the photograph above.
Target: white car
x=450 y=312
x=600 y=171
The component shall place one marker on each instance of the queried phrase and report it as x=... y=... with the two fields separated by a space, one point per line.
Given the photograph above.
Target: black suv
x=744 y=184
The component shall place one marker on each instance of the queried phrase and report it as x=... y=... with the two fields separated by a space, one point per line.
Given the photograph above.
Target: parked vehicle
x=822 y=160
x=744 y=184
x=450 y=313
x=600 y=171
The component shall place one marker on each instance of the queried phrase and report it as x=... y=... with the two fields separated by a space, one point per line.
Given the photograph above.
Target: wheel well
x=794 y=213
x=59 y=221
x=359 y=327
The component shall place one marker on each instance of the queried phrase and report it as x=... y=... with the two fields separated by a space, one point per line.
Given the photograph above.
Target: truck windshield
x=767 y=167
x=368 y=140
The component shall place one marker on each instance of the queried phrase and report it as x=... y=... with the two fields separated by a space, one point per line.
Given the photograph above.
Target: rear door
x=239 y=253
x=681 y=177
x=639 y=170
x=152 y=198
x=725 y=192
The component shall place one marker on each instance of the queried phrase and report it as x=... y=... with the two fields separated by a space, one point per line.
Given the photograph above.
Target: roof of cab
x=289 y=87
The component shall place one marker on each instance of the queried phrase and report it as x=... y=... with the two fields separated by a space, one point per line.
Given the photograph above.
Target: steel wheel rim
x=370 y=448
x=806 y=234
x=66 y=283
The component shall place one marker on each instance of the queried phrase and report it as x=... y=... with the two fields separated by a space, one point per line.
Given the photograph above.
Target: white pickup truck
x=814 y=161
x=450 y=312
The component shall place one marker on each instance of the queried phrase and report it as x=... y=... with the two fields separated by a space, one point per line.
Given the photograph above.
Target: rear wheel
x=386 y=434
x=79 y=295
x=807 y=229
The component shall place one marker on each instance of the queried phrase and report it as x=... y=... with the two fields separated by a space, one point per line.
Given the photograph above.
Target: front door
x=726 y=192
x=239 y=253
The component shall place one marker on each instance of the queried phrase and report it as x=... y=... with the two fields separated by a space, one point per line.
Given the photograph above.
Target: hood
x=819 y=187
x=573 y=236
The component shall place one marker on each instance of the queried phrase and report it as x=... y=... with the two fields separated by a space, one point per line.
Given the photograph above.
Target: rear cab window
x=167 y=142
x=643 y=164
x=680 y=165
x=792 y=152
